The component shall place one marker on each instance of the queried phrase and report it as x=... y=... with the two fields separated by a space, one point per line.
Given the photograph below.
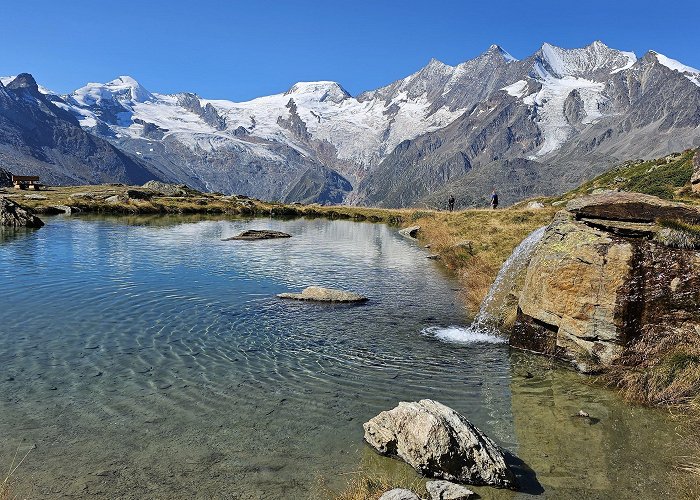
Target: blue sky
x=242 y=49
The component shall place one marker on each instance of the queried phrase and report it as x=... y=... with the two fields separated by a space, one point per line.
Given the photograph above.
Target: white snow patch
x=631 y=59
x=550 y=102
x=691 y=74
x=517 y=89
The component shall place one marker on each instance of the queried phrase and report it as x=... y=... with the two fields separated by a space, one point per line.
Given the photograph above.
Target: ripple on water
x=151 y=355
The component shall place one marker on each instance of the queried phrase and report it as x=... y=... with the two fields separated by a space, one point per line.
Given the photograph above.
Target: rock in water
x=320 y=294
x=439 y=443
x=256 y=234
x=12 y=215
x=410 y=232
x=399 y=494
x=445 y=490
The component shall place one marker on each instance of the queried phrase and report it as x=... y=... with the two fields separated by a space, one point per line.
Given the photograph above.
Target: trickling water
x=482 y=329
x=504 y=280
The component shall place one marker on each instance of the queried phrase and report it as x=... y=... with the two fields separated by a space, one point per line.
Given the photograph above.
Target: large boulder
x=695 y=179
x=321 y=294
x=608 y=269
x=13 y=215
x=439 y=443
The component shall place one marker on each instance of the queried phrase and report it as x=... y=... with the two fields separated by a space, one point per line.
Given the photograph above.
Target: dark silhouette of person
x=494 y=199
x=451 y=203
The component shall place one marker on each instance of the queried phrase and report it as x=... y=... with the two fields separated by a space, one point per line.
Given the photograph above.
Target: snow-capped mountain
x=539 y=124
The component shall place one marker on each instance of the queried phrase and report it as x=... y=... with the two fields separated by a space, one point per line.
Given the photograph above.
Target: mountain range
x=536 y=126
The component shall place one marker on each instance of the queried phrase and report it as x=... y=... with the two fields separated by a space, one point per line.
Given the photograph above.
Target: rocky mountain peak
x=593 y=60
x=499 y=51
x=321 y=91
x=23 y=81
x=126 y=85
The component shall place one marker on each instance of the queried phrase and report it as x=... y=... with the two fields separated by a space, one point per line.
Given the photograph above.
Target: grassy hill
x=667 y=177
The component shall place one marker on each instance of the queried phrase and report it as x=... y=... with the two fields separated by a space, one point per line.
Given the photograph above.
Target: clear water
x=145 y=358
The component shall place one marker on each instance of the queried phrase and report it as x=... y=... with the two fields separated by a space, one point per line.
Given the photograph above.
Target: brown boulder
x=596 y=284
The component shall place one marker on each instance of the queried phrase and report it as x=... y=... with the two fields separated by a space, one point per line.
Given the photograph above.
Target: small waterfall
x=504 y=280
x=482 y=328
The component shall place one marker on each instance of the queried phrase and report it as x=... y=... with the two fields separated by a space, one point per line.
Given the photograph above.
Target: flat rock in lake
x=258 y=234
x=320 y=294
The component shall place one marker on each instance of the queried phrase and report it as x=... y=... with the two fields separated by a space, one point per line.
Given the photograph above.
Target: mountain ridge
x=578 y=110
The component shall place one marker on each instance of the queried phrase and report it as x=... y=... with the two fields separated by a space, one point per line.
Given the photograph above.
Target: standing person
x=494 y=199
x=451 y=203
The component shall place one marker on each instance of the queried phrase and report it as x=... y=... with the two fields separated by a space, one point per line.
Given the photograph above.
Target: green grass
x=663 y=177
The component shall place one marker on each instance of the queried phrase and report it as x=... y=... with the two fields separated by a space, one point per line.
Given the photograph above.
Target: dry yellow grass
x=475 y=243
x=6 y=485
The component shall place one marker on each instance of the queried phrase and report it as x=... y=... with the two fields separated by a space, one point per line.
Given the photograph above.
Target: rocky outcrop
x=167 y=189
x=609 y=269
x=439 y=443
x=5 y=178
x=258 y=234
x=445 y=490
x=695 y=179
x=320 y=294
x=13 y=215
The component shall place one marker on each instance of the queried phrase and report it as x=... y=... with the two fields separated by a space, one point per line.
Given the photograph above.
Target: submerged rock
x=439 y=443
x=410 y=232
x=320 y=294
x=399 y=494
x=604 y=274
x=13 y=215
x=258 y=234
x=445 y=490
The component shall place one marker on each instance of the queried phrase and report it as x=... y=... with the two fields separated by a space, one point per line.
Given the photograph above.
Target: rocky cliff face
x=609 y=269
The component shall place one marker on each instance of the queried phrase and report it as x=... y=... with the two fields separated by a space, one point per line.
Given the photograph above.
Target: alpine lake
x=144 y=358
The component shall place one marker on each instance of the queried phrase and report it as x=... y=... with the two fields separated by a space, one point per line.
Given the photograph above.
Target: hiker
x=494 y=199
x=451 y=203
